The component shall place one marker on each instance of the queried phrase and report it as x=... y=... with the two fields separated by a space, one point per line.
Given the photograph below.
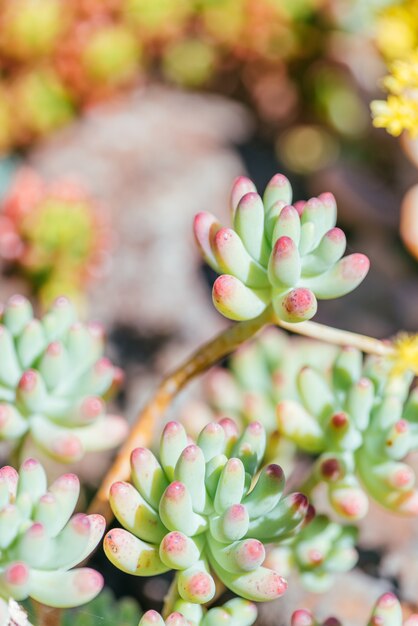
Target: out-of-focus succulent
x=41 y=104
x=110 y=612
x=236 y=612
x=362 y=423
x=55 y=233
x=197 y=510
x=53 y=381
x=189 y=62
x=321 y=550
x=386 y=612
x=40 y=543
x=157 y=21
x=254 y=29
x=277 y=254
x=97 y=59
x=28 y=31
x=260 y=374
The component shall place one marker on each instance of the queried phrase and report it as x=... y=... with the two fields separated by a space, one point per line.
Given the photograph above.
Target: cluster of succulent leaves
x=54 y=382
x=69 y=55
x=386 y=612
x=320 y=551
x=205 y=508
x=354 y=415
x=361 y=421
x=236 y=612
x=40 y=542
x=54 y=233
x=277 y=254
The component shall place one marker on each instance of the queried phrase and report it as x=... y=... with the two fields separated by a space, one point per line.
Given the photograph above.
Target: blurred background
x=121 y=119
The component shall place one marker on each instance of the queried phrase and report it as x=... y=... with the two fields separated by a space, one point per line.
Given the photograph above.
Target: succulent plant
x=386 y=612
x=40 y=544
x=236 y=612
x=55 y=233
x=255 y=29
x=361 y=423
x=111 y=612
x=98 y=58
x=321 y=550
x=276 y=253
x=41 y=103
x=29 y=33
x=158 y=21
x=199 y=509
x=190 y=62
x=53 y=381
x=260 y=374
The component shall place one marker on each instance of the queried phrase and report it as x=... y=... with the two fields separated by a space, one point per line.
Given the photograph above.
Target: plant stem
x=141 y=434
x=370 y=345
x=204 y=358
x=45 y=615
x=170 y=597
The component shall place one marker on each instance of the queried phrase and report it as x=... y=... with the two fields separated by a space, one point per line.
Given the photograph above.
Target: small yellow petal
x=405 y=358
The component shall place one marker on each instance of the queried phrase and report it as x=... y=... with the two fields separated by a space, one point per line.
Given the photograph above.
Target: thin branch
x=46 y=615
x=370 y=345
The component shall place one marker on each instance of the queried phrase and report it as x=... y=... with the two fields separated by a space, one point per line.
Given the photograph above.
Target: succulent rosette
x=320 y=551
x=200 y=509
x=158 y=21
x=236 y=612
x=53 y=381
x=361 y=421
x=41 y=542
x=277 y=253
x=386 y=612
x=29 y=33
x=190 y=62
x=256 y=29
x=41 y=103
x=97 y=59
x=55 y=233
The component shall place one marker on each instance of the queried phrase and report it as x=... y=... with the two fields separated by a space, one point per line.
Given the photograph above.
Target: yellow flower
x=404 y=74
x=397 y=30
x=397 y=40
x=396 y=114
x=405 y=357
